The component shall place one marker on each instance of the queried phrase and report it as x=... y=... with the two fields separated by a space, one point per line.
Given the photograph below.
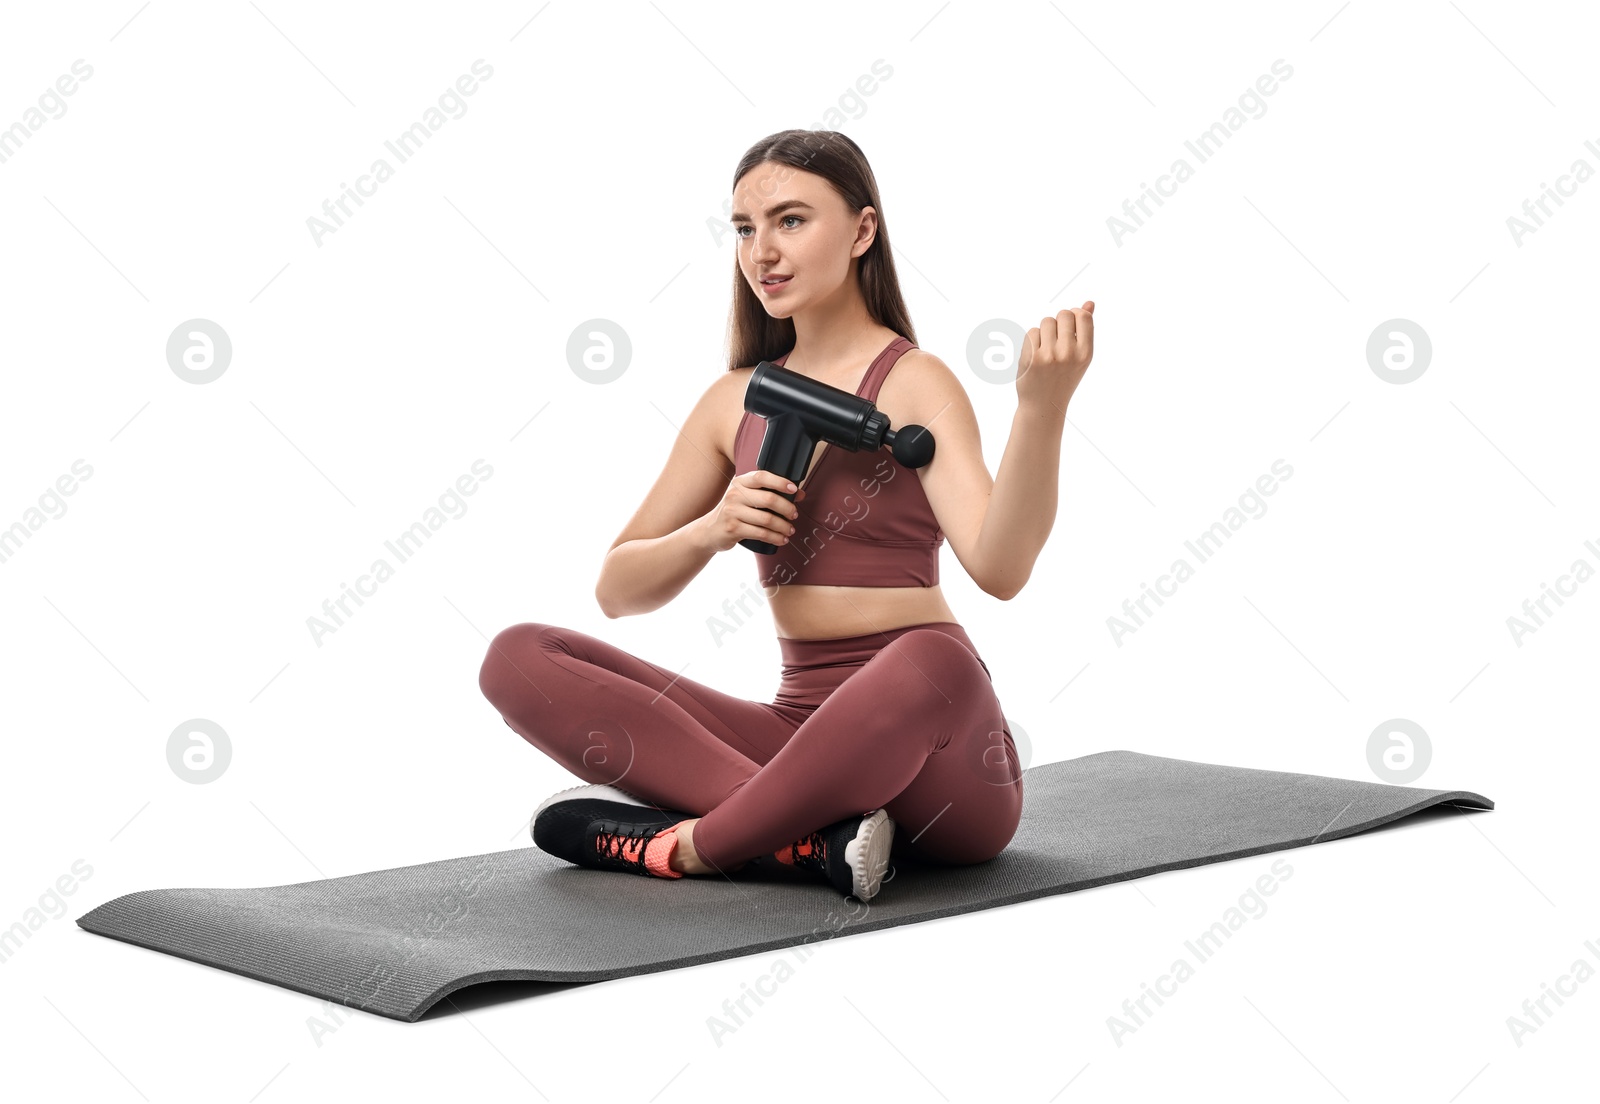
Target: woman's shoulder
x=730 y=386
x=918 y=367
x=736 y=380
x=725 y=397
x=920 y=386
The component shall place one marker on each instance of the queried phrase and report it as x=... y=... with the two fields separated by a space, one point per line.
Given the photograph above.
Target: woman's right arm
x=697 y=508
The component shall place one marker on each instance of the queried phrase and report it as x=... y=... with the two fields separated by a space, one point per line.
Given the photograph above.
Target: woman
x=885 y=713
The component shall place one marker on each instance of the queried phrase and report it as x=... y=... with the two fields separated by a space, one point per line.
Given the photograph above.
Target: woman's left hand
x=1055 y=356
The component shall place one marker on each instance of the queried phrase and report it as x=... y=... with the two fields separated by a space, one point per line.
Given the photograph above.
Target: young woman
x=885 y=714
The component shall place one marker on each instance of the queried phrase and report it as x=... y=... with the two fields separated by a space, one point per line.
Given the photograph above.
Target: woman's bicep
x=956 y=481
x=695 y=475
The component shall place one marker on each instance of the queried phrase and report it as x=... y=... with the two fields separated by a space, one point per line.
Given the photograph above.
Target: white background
x=584 y=181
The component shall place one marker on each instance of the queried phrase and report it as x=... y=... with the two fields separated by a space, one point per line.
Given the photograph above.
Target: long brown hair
x=753 y=334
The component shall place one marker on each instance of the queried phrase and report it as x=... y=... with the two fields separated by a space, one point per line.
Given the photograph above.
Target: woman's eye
x=740 y=230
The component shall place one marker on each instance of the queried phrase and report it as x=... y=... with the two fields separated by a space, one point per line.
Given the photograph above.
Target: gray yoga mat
x=394 y=942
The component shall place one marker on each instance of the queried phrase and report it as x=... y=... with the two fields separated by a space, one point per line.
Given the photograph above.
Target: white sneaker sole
x=868 y=855
x=603 y=792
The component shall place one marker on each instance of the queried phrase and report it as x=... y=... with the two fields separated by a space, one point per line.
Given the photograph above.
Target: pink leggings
x=904 y=720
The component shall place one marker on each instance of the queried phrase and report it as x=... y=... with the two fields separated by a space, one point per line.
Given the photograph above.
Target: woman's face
x=792 y=223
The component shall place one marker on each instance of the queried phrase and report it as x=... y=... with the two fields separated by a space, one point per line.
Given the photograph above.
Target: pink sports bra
x=865 y=520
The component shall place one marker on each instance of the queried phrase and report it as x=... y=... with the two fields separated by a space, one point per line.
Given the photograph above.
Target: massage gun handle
x=786 y=451
x=761 y=546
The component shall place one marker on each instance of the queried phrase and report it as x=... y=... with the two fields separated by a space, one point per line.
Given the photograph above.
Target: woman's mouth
x=771 y=284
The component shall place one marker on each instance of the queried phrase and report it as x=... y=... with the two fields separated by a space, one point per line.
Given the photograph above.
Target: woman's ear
x=866 y=232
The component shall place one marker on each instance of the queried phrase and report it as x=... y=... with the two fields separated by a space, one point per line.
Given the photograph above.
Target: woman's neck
x=839 y=343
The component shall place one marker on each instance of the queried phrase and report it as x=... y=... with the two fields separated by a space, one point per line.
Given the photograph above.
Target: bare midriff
x=822 y=612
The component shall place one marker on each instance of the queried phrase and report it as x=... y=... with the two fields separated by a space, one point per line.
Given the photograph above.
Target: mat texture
x=394 y=942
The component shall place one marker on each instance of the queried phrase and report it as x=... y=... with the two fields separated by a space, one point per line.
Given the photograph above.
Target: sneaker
x=591 y=792
x=852 y=853
x=606 y=828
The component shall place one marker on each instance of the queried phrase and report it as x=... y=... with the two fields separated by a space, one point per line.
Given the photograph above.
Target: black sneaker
x=853 y=853
x=604 y=828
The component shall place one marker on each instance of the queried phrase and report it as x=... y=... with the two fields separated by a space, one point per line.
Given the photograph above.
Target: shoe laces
x=625 y=842
x=810 y=850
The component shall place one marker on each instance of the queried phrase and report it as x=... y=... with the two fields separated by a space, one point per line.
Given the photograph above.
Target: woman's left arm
x=997 y=527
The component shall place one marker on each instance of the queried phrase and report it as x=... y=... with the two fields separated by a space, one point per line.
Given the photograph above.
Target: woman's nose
x=761 y=250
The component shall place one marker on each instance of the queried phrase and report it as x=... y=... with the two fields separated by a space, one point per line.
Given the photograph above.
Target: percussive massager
x=801 y=413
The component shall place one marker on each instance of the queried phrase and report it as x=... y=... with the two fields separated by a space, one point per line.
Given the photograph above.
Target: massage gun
x=801 y=413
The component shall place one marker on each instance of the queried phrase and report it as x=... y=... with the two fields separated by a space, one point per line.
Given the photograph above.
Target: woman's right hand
x=744 y=511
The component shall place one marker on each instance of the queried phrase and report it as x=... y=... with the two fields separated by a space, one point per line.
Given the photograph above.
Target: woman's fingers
x=1030 y=349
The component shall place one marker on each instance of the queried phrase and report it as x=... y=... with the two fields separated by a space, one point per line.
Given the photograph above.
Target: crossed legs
x=915 y=730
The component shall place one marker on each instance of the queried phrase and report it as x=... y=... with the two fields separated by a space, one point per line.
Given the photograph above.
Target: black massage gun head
x=912 y=445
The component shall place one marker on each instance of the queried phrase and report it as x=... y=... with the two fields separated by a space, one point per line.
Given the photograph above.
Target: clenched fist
x=1055 y=356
